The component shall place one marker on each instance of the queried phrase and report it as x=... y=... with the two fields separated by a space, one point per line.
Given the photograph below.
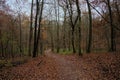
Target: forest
x=59 y=40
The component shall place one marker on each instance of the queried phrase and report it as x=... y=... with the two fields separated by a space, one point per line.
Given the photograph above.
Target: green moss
x=65 y=52
x=11 y=63
x=8 y=64
x=5 y=63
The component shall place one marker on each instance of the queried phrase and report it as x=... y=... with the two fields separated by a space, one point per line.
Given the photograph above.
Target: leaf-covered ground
x=105 y=66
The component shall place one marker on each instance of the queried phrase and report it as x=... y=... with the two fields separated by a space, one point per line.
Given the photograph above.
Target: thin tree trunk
x=31 y=31
x=52 y=44
x=90 y=29
x=51 y=34
x=57 y=20
x=69 y=40
x=2 y=50
x=58 y=42
x=64 y=28
x=64 y=37
x=20 y=34
x=35 y=31
x=72 y=24
x=112 y=47
x=37 y=34
x=73 y=45
x=117 y=8
x=79 y=27
x=39 y=28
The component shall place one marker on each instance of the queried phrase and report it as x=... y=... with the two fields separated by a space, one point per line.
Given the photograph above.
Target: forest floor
x=51 y=66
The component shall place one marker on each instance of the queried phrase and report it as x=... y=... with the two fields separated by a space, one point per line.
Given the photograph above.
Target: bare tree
x=39 y=28
x=72 y=22
x=37 y=32
x=113 y=45
x=79 y=27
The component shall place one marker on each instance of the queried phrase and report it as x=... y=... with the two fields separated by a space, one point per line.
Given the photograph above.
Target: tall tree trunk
x=72 y=24
x=79 y=27
x=20 y=25
x=64 y=31
x=31 y=31
x=113 y=45
x=39 y=28
x=35 y=31
x=58 y=42
x=73 y=45
x=57 y=24
x=90 y=29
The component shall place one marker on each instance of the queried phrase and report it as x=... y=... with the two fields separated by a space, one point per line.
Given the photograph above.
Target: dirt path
x=53 y=66
x=66 y=69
